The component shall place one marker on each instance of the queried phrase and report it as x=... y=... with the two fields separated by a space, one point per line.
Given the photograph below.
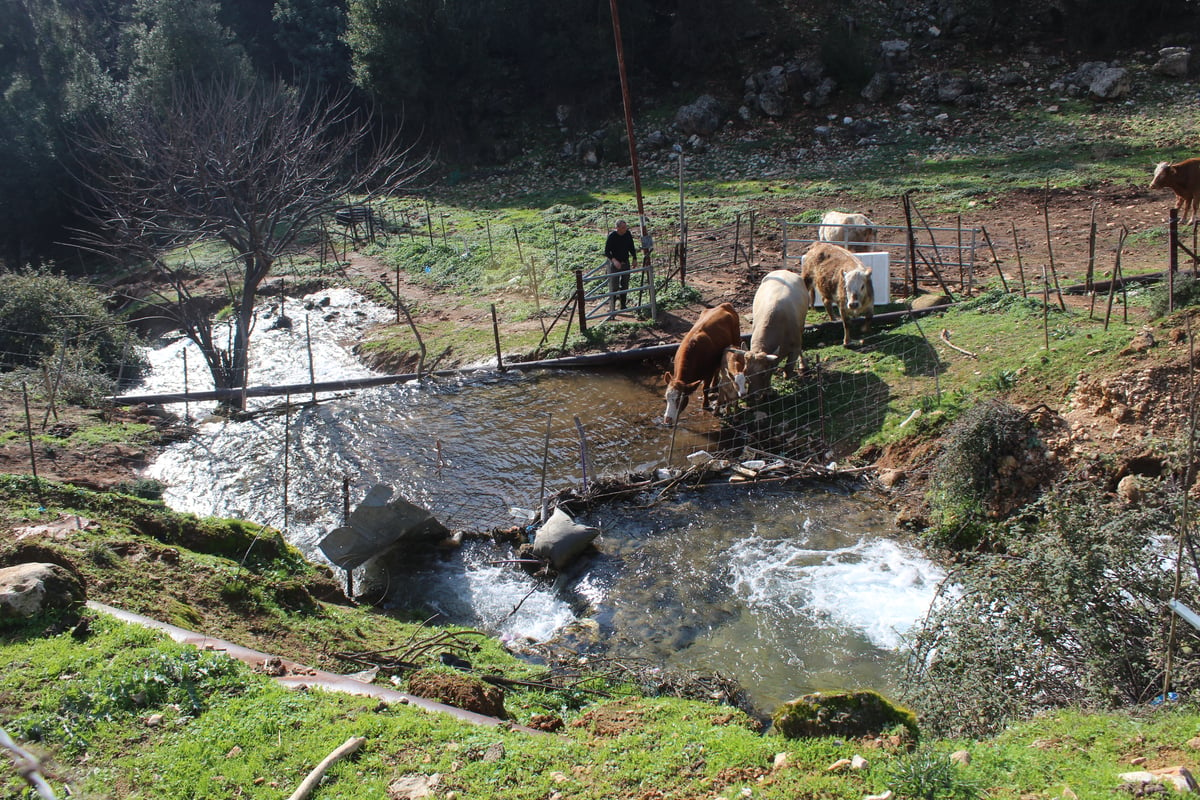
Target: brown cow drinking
x=698 y=359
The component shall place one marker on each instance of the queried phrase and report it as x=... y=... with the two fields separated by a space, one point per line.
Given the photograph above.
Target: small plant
x=1000 y=381
x=145 y=488
x=929 y=775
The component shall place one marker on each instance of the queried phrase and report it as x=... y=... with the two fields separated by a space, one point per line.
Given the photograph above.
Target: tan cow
x=843 y=280
x=780 y=306
x=1182 y=178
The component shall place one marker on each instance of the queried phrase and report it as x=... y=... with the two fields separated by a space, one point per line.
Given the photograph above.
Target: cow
x=698 y=359
x=842 y=279
x=731 y=379
x=852 y=231
x=780 y=306
x=1182 y=178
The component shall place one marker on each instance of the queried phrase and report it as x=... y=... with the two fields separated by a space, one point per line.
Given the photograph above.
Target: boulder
x=701 y=117
x=561 y=539
x=378 y=524
x=1173 y=62
x=842 y=714
x=27 y=590
x=1113 y=83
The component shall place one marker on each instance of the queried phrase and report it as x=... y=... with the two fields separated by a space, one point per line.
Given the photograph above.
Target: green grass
x=226 y=729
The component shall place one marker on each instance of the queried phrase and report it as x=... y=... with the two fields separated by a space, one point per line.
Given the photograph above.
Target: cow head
x=678 y=394
x=1162 y=172
x=857 y=283
x=734 y=368
x=759 y=367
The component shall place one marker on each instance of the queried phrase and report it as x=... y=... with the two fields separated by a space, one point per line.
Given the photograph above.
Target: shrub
x=929 y=775
x=1070 y=613
x=972 y=477
x=1186 y=293
x=50 y=320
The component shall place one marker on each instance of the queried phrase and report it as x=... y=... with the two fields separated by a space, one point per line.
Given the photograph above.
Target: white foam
x=877 y=587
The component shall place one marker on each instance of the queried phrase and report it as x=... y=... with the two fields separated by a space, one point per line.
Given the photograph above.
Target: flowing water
x=785 y=590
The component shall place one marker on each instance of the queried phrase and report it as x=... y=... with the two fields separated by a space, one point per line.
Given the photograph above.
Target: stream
x=787 y=590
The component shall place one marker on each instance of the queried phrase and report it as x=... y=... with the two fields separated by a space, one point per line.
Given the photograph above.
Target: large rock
x=842 y=714
x=702 y=117
x=27 y=590
x=1173 y=62
x=379 y=524
x=1113 y=83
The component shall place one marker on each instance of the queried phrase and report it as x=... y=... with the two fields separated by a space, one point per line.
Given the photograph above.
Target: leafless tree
x=249 y=165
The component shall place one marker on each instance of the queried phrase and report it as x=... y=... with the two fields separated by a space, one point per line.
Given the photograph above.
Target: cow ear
x=693 y=386
x=667 y=378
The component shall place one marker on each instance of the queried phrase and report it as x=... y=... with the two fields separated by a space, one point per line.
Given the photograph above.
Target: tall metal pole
x=647 y=241
x=637 y=180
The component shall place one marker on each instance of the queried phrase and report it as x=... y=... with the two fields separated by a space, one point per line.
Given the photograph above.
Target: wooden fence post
x=580 y=300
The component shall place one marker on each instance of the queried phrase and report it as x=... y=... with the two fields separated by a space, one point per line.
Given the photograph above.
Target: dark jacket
x=620 y=247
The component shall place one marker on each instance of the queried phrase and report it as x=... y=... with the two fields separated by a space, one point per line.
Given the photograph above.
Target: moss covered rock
x=844 y=714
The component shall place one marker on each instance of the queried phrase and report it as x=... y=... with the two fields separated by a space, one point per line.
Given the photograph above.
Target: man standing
x=620 y=250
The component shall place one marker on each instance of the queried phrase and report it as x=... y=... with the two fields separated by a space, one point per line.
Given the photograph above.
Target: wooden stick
x=1020 y=266
x=305 y=789
x=995 y=260
x=1049 y=247
x=945 y=337
x=1091 y=267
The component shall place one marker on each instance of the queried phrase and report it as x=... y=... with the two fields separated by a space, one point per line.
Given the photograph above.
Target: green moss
x=842 y=714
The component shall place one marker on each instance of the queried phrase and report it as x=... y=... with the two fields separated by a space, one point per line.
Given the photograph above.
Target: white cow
x=852 y=231
x=780 y=306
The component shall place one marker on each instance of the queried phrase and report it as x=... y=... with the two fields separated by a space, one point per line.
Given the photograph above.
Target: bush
x=1071 y=613
x=48 y=320
x=973 y=477
x=1186 y=293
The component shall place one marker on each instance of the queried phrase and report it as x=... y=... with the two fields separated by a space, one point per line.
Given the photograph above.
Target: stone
x=414 y=787
x=858 y=763
x=890 y=477
x=961 y=757
x=1113 y=83
x=702 y=116
x=1178 y=778
x=29 y=589
x=561 y=540
x=378 y=524
x=1129 y=490
x=842 y=714
x=1173 y=62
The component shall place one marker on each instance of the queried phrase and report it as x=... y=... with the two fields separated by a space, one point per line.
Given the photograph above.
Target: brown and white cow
x=698 y=358
x=843 y=280
x=1183 y=179
x=780 y=306
x=852 y=231
x=731 y=379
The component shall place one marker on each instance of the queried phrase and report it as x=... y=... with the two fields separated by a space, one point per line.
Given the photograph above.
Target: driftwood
x=945 y=337
x=350 y=746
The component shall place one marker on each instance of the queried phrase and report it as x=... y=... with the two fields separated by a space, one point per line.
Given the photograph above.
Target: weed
x=929 y=775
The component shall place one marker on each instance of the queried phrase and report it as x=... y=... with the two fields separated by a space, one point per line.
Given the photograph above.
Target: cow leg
x=846 y=331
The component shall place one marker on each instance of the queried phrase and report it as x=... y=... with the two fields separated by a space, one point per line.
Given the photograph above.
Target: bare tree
x=252 y=166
